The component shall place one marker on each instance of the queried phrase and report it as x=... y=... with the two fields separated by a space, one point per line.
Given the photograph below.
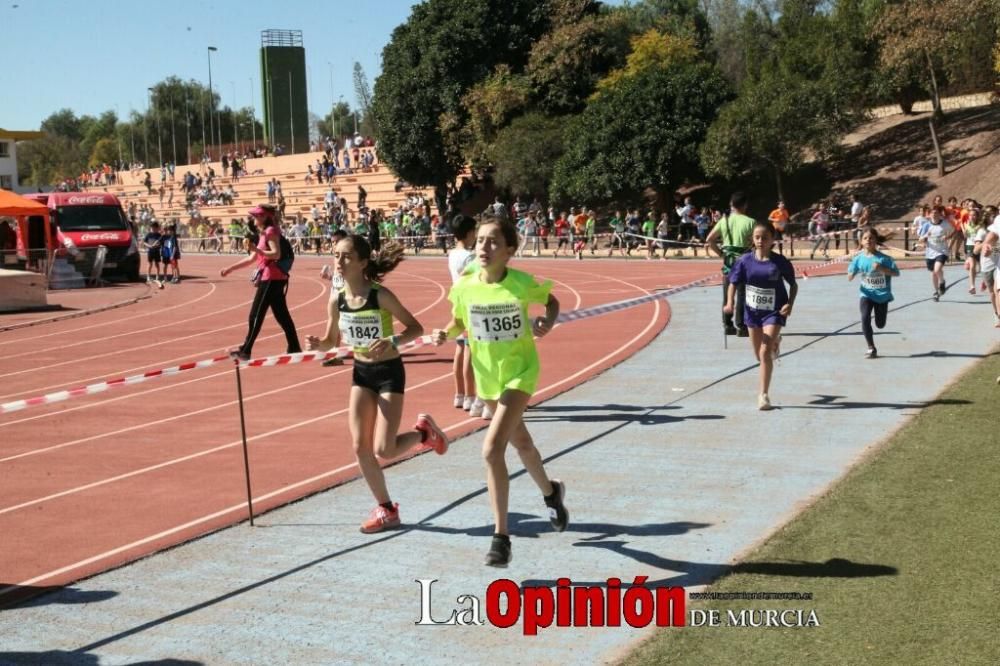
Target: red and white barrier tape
x=805 y=269
x=100 y=387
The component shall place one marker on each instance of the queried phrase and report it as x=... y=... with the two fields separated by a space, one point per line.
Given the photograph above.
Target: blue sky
x=90 y=56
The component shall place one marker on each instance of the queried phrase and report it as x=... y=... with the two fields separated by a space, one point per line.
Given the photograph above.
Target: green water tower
x=283 y=85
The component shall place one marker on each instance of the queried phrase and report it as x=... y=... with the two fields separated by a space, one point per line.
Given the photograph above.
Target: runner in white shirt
x=459 y=260
x=988 y=244
x=937 y=236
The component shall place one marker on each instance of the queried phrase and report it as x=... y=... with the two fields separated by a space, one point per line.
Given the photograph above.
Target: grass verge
x=900 y=556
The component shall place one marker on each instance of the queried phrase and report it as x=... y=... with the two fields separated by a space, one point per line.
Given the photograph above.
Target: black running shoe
x=744 y=332
x=239 y=355
x=936 y=296
x=499 y=555
x=871 y=353
x=943 y=288
x=730 y=330
x=332 y=362
x=558 y=514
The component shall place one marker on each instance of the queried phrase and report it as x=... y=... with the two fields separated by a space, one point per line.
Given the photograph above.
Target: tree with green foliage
x=642 y=132
x=525 y=152
x=567 y=62
x=490 y=104
x=805 y=89
x=337 y=123
x=442 y=50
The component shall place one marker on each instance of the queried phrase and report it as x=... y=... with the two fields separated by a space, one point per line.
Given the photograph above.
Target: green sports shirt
x=496 y=318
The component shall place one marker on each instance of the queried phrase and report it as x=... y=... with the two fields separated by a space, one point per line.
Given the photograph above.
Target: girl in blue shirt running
x=876 y=270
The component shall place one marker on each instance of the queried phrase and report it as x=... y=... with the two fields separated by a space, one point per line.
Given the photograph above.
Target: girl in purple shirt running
x=768 y=304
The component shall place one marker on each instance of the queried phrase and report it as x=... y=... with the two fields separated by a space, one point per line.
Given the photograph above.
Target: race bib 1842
x=760 y=299
x=360 y=329
x=497 y=322
x=874 y=280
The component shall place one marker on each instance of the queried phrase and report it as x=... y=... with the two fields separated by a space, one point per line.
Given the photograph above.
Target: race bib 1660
x=874 y=280
x=497 y=322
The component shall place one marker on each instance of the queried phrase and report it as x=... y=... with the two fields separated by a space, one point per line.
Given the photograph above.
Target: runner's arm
x=542 y=325
x=412 y=329
x=331 y=338
x=452 y=330
x=713 y=240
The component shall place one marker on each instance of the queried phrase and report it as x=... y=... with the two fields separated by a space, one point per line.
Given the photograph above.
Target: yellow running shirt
x=496 y=318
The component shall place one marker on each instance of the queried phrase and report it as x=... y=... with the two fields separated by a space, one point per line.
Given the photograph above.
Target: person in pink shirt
x=271 y=281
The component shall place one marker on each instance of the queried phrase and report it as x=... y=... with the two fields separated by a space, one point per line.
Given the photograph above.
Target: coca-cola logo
x=98 y=237
x=84 y=201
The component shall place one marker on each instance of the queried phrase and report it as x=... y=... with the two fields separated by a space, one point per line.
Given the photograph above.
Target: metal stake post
x=243 y=433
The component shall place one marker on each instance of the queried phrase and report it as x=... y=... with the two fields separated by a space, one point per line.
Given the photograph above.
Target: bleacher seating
x=290 y=170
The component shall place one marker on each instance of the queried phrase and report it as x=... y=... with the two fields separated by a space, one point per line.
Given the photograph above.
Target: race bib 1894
x=760 y=299
x=360 y=329
x=497 y=322
x=874 y=280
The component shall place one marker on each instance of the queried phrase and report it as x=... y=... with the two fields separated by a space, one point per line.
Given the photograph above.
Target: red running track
x=104 y=479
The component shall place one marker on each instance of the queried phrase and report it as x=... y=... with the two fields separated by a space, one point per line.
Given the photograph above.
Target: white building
x=8 y=157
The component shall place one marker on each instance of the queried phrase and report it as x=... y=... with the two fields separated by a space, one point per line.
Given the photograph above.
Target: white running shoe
x=468 y=402
x=477 y=408
x=487 y=412
x=460 y=401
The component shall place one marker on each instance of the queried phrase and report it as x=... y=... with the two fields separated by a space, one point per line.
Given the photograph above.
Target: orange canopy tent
x=22 y=209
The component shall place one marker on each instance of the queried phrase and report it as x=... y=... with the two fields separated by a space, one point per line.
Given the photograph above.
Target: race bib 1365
x=497 y=322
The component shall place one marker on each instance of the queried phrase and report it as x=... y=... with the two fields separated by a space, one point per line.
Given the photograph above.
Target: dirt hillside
x=889 y=162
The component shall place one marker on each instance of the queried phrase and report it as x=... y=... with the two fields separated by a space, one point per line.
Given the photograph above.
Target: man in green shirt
x=735 y=231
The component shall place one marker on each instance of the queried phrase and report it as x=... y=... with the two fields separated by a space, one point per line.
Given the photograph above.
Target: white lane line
x=113 y=322
x=174 y=325
x=177 y=359
x=118 y=352
x=175 y=417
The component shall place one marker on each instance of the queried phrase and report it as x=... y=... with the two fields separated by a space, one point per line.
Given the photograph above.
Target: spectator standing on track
x=735 y=230
x=361 y=316
x=779 y=220
x=561 y=226
x=819 y=226
x=170 y=250
x=151 y=243
x=271 y=281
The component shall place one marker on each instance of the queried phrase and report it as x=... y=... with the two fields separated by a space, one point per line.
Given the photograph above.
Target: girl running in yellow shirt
x=491 y=303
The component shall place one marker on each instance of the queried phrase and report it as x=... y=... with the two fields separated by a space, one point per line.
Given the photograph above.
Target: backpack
x=287 y=256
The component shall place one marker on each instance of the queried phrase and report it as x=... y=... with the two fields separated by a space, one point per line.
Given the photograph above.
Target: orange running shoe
x=435 y=437
x=381 y=519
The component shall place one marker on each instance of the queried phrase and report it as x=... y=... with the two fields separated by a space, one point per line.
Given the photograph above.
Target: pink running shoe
x=381 y=519
x=435 y=437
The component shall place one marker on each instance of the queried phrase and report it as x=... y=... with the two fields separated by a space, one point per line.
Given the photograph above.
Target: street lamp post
x=291 y=112
x=159 y=134
x=145 y=132
x=118 y=138
x=236 y=121
x=333 y=104
x=187 y=124
x=211 y=100
x=253 y=117
x=173 y=132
